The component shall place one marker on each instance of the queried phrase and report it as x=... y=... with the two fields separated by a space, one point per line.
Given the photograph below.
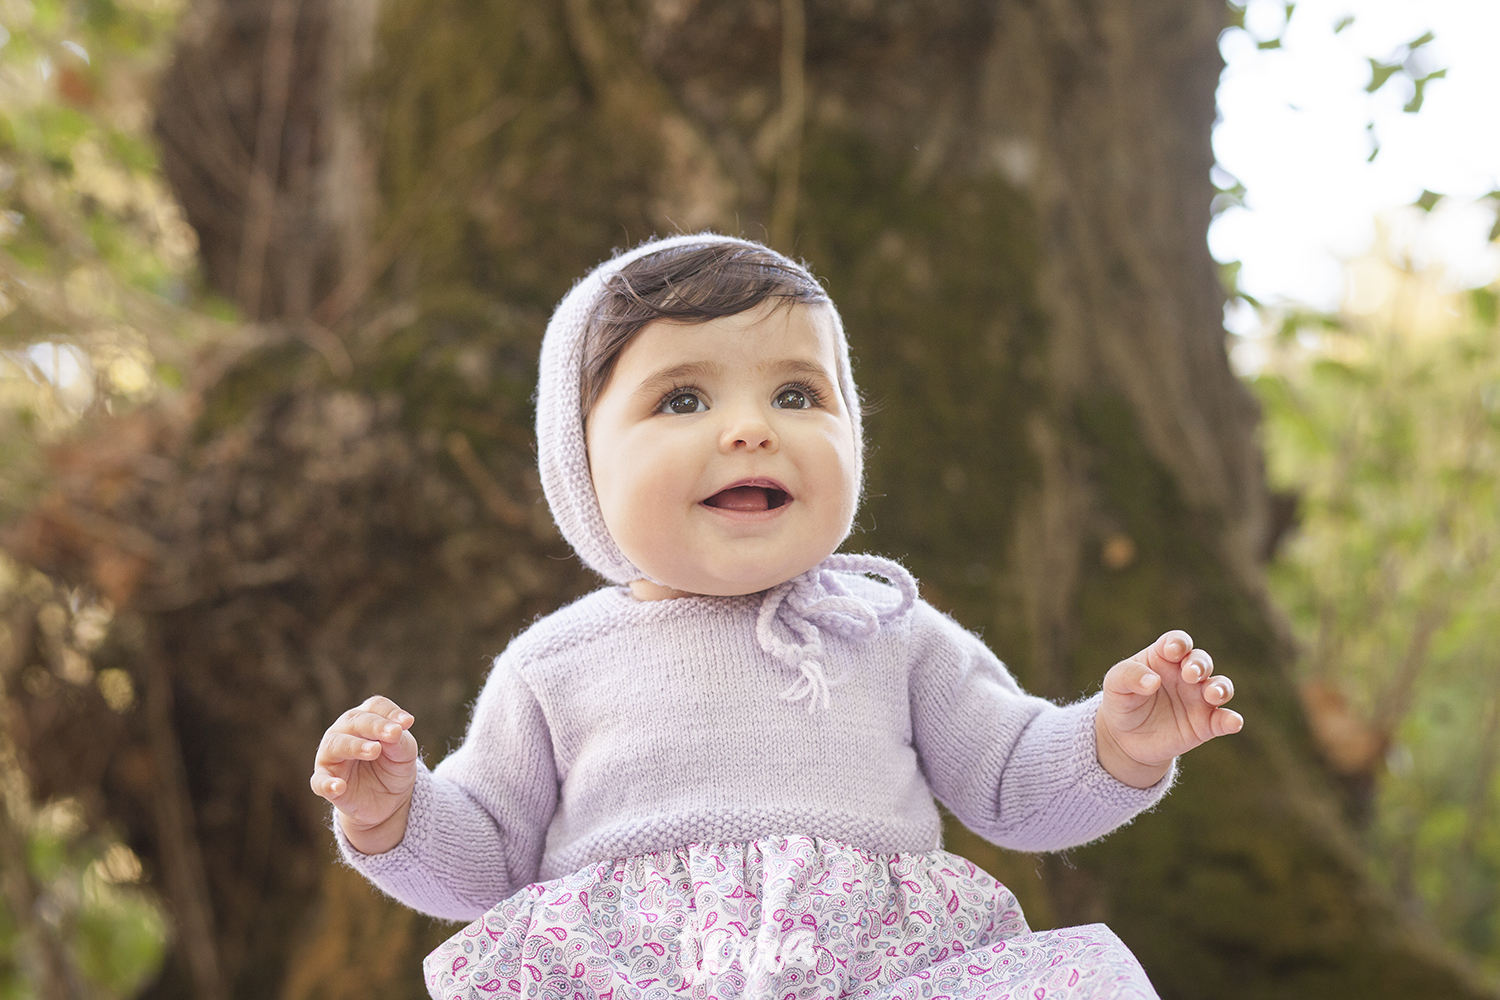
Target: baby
x=717 y=777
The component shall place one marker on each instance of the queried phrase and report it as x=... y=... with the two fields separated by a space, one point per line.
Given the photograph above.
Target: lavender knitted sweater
x=616 y=727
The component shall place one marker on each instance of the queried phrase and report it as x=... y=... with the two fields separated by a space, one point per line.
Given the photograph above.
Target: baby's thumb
x=402 y=751
x=1131 y=678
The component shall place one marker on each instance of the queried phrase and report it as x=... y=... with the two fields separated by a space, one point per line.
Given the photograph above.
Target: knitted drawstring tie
x=806 y=605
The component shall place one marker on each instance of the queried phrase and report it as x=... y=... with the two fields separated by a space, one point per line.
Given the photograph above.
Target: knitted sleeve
x=478 y=821
x=1015 y=769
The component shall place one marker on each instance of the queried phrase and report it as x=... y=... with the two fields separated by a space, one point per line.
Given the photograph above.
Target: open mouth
x=749 y=498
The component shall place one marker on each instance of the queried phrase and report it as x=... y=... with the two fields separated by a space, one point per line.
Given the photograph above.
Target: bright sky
x=1293 y=132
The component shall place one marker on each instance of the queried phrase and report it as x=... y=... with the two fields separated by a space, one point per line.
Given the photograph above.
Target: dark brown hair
x=694 y=283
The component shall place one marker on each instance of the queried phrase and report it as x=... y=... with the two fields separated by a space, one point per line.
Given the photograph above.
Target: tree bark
x=1008 y=200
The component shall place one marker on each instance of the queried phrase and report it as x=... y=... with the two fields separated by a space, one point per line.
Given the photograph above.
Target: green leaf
x=120 y=940
x=1229 y=277
x=101 y=15
x=1415 y=104
x=1343 y=23
x=48 y=16
x=136 y=153
x=1225 y=200
x=1428 y=200
x=1419 y=41
x=60 y=129
x=1484 y=300
x=169 y=375
x=1380 y=72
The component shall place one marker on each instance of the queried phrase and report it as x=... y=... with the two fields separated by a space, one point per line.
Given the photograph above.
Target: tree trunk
x=1008 y=201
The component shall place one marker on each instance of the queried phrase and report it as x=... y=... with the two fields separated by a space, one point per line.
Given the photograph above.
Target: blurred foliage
x=72 y=891
x=114 y=929
x=99 y=308
x=1409 y=67
x=1385 y=422
x=97 y=280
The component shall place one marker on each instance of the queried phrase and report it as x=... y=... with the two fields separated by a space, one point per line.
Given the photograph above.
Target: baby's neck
x=646 y=590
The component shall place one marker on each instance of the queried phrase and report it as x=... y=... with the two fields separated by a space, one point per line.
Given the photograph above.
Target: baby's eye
x=794 y=398
x=683 y=402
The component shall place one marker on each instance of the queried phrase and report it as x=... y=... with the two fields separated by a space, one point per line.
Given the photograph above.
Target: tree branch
x=418 y=205
x=260 y=201
x=793 y=114
x=42 y=953
x=181 y=856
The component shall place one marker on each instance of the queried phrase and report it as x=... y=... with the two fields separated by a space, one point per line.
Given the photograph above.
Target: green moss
x=1224 y=889
x=937 y=290
x=1177 y=579
x=257 y=379
x=469 y=369
x=529 y=208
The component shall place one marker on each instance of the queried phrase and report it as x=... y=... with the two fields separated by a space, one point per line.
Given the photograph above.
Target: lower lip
x=749 y=516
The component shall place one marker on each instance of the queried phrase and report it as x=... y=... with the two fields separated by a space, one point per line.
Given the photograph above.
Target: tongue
x=741 y=498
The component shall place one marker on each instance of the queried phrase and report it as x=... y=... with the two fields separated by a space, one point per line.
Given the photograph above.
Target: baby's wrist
x=376 y=838
x=1122 y=766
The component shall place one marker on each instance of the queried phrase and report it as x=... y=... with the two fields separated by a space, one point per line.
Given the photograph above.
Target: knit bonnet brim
x=562 y=450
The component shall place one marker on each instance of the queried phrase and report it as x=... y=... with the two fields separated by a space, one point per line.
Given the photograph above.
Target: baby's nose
x=749 y=431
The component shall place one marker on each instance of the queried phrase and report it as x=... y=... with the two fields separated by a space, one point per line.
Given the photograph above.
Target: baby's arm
x=1162 y=702
x=366 y=766
x=1015 y=769
x=455 y=840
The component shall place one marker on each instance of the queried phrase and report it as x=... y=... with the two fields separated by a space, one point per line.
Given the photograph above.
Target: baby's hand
x=1161 y=702
x=366 y=766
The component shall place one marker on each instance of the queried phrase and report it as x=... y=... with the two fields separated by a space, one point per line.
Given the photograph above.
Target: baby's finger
x=1218 y=691
x=1226 y=722
x=328 y=786
x=339 y=747
x=1196 y=666
x=381 y=705
x=369 y=725
x=1173 y=645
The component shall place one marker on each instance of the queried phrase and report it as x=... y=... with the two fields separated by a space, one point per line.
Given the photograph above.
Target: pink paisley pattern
x=793 y=918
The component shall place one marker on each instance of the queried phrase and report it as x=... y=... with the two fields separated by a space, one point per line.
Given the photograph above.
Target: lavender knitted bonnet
x=793 y=615
x=561 y=449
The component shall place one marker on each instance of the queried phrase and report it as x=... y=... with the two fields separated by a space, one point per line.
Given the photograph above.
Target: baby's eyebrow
x=660 y=381
x=797 y=366
x=666 y=378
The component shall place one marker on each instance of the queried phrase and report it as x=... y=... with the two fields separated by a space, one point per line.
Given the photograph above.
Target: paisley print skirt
x=790 y=918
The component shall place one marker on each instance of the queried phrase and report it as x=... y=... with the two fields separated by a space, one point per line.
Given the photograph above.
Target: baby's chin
x=668 y=584
x=651 y=590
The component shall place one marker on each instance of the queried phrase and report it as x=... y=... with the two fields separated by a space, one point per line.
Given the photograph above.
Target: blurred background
x=1170 y=313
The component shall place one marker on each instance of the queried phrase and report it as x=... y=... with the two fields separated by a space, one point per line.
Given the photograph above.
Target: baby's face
x=722 y=452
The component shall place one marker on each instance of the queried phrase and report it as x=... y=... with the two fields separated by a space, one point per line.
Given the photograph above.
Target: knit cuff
x=1109 y=790
x=380 y=868
x=1071 y=799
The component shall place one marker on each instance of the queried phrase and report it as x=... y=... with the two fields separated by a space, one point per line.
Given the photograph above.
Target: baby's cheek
x=647 y=537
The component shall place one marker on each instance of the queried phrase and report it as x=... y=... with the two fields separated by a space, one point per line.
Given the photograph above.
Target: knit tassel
x=816 y=601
